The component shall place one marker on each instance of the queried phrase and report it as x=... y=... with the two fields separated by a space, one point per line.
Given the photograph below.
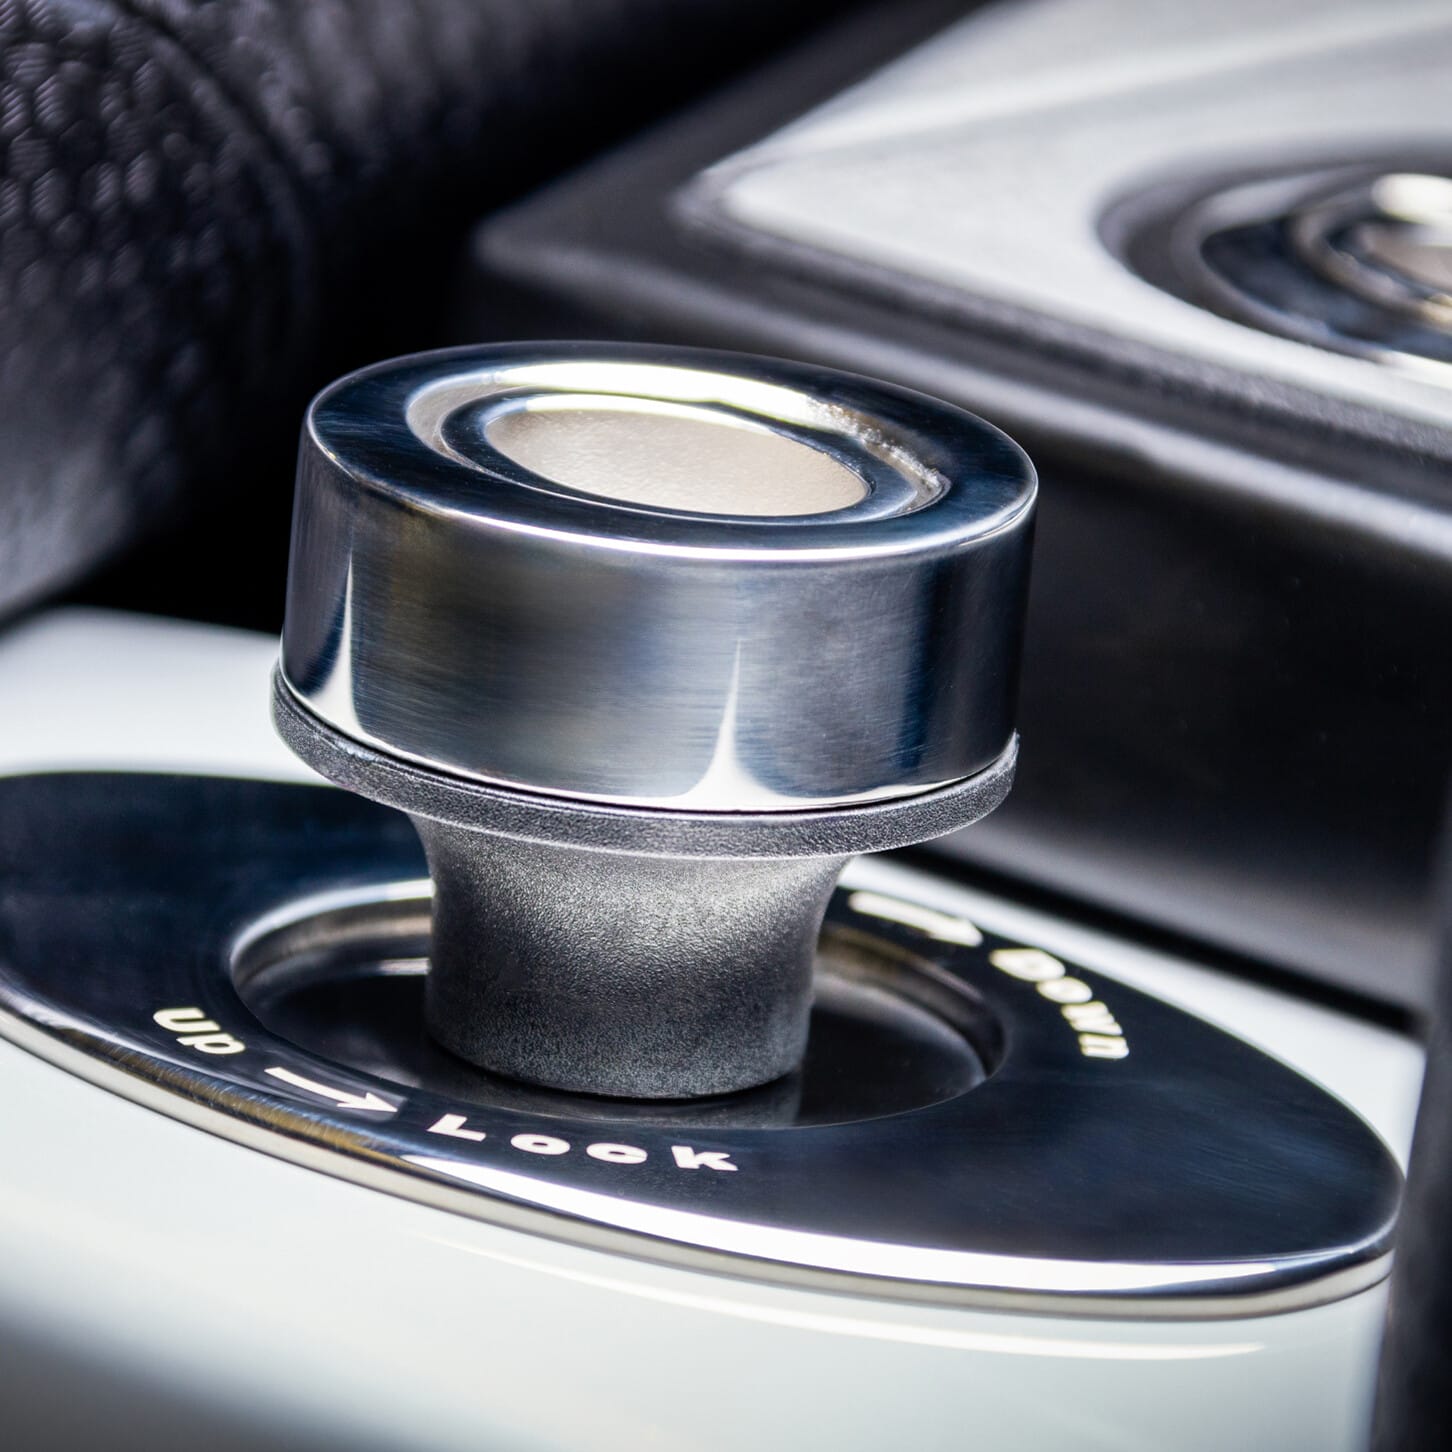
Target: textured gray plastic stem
x=622 y=950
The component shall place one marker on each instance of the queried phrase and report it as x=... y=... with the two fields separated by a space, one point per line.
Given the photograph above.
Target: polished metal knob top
x=658 y=577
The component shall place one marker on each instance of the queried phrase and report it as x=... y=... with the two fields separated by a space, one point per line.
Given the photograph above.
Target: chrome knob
x=648 y=642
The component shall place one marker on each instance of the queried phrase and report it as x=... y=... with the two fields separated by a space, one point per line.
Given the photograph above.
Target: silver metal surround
x=452 y=607
x=1353 y=259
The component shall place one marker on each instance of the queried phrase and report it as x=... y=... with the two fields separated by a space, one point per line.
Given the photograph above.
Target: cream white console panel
x=1013 y=135
x=213 y=1284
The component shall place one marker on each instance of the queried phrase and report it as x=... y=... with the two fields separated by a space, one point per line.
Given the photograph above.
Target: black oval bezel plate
x=1123 y=1158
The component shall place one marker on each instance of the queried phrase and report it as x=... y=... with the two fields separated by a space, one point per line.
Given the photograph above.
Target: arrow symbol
x=343 y=1098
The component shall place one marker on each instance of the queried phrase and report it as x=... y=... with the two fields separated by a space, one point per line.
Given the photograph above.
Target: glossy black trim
x=1179 y=1172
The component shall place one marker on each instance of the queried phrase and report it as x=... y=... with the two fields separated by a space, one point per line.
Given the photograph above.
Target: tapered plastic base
x=607 y=973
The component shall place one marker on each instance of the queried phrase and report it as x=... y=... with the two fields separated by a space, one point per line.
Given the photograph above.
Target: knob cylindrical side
x=450 y=606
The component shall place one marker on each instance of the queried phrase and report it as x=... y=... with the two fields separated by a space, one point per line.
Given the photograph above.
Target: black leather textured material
x=206 y=205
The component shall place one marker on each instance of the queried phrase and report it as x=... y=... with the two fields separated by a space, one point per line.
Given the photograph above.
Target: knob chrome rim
x=450 y=606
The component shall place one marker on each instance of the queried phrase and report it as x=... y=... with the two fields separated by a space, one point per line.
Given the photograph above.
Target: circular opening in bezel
x=890 y=1035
